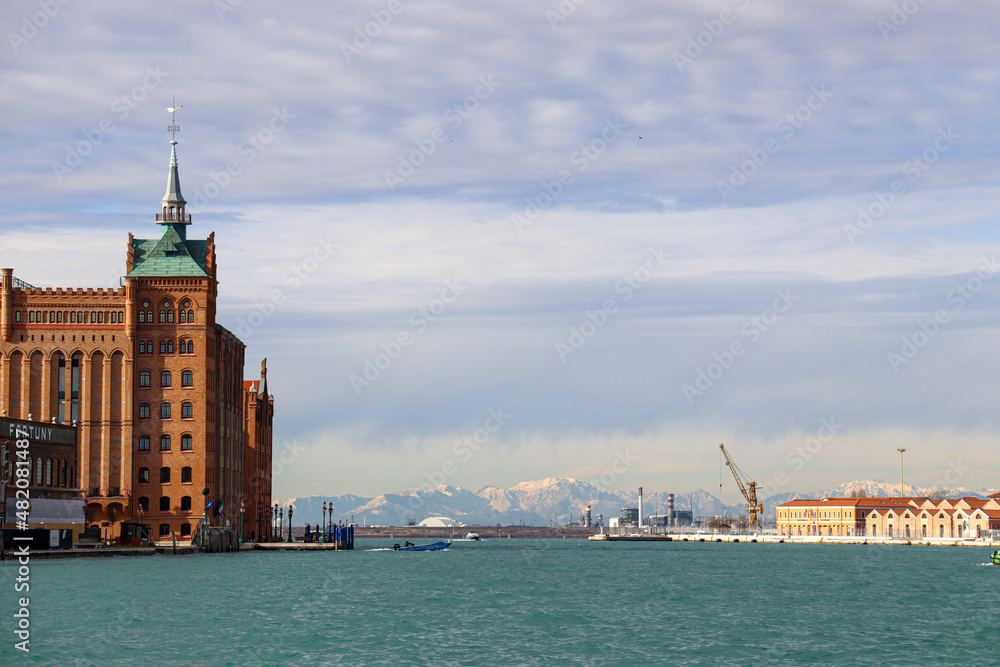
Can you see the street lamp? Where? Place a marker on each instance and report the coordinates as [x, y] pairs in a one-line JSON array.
[[281, 524], [274, 522], [900, 450], [290, 508], [243, 510], [322, 531], [204, 494], [140, 524], [260, 516]]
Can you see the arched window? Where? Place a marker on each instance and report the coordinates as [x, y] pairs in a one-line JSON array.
[[187, 411], [62, 473], [163, 347], [165, 378], [163, 316], [164, 503], [39, 471], [164, 530], [144, 504], [187, 444], [187, 379], [143, 443], [149, 316], [164, 475], [181, 317], [164, 411], [186, 504], [185, 530], [190, 317], [186, 475], [144, 411], [144, 379], [144, 475], [190, 347], [48, 472], [164, 443], [170, 316], [170, 347], [142, 347]]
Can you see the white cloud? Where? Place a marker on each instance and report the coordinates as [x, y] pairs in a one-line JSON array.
[[323, 176]]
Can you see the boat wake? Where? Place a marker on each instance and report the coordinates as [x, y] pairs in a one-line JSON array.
[[380, 549]]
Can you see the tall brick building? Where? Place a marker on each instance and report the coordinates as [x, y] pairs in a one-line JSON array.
[[153, 382]]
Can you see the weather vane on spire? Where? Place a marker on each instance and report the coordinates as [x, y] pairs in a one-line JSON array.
[[173, 128]]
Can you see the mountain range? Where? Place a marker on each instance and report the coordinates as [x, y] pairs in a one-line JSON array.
[[558, 500]]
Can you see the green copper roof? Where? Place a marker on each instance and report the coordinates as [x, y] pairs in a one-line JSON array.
[[172, 254], [169, 255]]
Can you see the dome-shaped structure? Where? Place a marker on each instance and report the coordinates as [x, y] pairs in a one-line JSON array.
[[438, 522]]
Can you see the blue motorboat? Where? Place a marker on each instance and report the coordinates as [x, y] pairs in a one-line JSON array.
[[410, 546]]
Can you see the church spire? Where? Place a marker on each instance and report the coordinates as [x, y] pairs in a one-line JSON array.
[[173, 216]]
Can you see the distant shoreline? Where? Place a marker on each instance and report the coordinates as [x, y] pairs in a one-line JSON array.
[[485, 532]]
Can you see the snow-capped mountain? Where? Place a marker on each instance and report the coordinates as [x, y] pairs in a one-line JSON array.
[[559, 499]]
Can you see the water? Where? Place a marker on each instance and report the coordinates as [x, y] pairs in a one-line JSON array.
[[518, 602]]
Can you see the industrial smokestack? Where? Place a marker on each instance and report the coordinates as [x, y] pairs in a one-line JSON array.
[[640, 507], [670, 509]]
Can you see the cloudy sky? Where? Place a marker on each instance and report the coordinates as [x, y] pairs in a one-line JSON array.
[[487, 243]]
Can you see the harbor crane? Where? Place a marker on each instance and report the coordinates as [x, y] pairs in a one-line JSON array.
[[754, 509]]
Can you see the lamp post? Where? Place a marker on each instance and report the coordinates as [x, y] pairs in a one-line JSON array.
[[281, 524], [274, 522], [204, 494], [322, 531], [900, 450], [140, 524], [290, 508], [260, 515], [243, 510]]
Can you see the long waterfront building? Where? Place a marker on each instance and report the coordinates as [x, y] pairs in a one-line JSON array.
[[915, 517]]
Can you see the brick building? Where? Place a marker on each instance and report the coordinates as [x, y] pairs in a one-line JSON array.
[[258, 415], [153, 382]]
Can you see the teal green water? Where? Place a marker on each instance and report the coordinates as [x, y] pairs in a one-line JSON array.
[[518, 602]]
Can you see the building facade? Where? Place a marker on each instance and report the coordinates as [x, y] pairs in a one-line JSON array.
[[258, 417], [892, 518], [153, 383]]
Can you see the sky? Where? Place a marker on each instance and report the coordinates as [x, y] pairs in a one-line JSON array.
[[481, 244]]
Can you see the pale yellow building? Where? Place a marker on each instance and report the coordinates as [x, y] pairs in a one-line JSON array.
[[895, 518]]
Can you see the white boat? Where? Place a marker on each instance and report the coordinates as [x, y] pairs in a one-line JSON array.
[[472, 536]]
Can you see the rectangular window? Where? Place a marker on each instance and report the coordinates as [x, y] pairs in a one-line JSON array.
[[31, 316], [17, 316], [93, 317], [100, 317], [72, 317], [59, 317], [165, 411], [143, 443], [144, 411], [187, 411]]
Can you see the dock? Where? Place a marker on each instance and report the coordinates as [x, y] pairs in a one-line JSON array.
[[785, 539]]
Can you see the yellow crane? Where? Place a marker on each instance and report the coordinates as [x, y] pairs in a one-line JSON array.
[[754, 509]]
